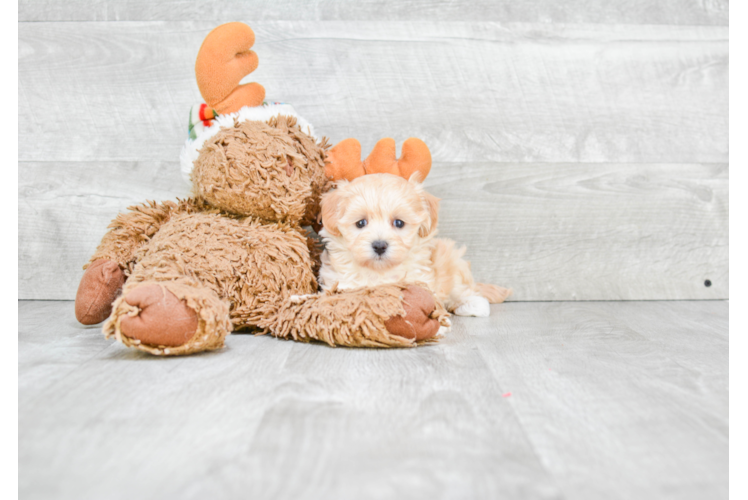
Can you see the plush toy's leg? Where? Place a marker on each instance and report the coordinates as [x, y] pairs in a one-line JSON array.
[[100, 285], [383, 316], [115, 257], [169, 317]]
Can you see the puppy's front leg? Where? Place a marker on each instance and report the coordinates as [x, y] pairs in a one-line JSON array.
[[445, 328], [298, 299]]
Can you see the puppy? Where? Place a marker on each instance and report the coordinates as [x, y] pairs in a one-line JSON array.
[[380, 228]]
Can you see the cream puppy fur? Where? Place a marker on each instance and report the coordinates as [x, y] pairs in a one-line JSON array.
[[380, 228]]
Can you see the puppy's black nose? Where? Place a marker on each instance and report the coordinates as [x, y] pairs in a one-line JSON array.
[[379, 247]]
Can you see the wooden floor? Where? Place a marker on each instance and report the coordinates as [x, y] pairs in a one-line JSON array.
[[575, 400]]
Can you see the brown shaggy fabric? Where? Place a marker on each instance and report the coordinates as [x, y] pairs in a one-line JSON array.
[[315, 154], [251, 265], [131, 230], [316, 247], [354, 318], [231, 271], [272, 170]]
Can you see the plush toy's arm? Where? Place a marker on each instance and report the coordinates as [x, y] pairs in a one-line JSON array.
[[383, 316], [108, 267]]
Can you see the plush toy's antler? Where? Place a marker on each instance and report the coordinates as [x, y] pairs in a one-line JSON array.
[[344, 160], [223, 60]]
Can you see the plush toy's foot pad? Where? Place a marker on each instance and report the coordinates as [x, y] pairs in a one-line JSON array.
[[100, 285], [417, 323], [162, 318]]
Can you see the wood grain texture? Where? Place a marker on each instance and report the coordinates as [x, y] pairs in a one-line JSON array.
[[668, 12], [737, 126], [541, 400], [737, 236], [549, 231], [590, 231], [64, 210], [736, 398], [576, 162], [474, 91], [618, 398]]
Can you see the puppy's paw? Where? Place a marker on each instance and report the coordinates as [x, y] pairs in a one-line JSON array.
[[298, 299], [443, 330], [474, 306]]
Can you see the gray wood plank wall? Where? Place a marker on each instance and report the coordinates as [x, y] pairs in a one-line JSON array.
[[671, 12], [580, 148], [736, 119]]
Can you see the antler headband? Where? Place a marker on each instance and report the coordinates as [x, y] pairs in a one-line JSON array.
[[344, 160]]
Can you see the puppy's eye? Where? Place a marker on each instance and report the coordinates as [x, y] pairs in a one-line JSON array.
[[398, 223], [362, 223]]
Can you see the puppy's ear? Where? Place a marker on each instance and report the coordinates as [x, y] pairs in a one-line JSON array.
[[331, 210], [416, 178], [431, 204]]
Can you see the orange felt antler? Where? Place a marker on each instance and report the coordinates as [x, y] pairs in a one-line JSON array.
[[223, 60], [344, 160]]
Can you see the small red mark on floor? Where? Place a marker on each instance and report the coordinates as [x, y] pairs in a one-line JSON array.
[[506, 394]]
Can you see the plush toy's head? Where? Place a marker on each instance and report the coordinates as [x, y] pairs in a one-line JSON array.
[[269, 170]]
